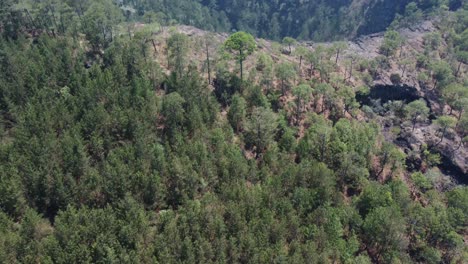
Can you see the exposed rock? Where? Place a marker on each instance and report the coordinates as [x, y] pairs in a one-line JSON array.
[[430, 135], [368, 46]]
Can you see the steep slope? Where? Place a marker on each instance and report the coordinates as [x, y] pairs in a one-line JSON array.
[[363, 48], [123, 142]]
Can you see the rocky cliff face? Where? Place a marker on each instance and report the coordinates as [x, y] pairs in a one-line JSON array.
[[368, 47], [428, 134], [449, 147]]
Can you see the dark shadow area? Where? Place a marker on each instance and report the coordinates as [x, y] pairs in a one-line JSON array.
[[447, 167], [388, 93]]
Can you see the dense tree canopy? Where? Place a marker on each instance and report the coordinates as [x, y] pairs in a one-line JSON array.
[[114, 147]]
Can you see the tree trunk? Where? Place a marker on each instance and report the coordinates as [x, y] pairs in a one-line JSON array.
[[351, 69], [460, 144], [323, 104], [143, 50], [103, 32], [242, 70], [258, 144], [282, 87], [442, 137], [323, 144], [154, 46], [81, 8], [129, 32], [111, 34], [298, 112], [315, 102], [458, 69], [241, 66], [384, 162], [30, 18], [53, 17], [208, 62], [62, 26]]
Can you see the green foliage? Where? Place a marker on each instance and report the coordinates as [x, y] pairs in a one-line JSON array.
[[288, 41], [461, 49], [303, 95], [177, 51], [237, 112], [339, 47], [412, 14], [9, 240], [384, 229], [430, 255], [275, 20], [441, 73], [392, 41], [444, 123], [285, 72], [421, 181], [431, 158], [260, 128], [264, 62], [457, 199], [243, 44], [455, 95], [107, 156], [99, 23], [349, 99], [374, 196], [173, 110], [395, 78], [390, 155], [255, 97], [417, 111], [432, 41]]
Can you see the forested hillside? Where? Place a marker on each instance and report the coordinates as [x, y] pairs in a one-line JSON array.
[[313, 19], [126, 137], [307, 20]]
